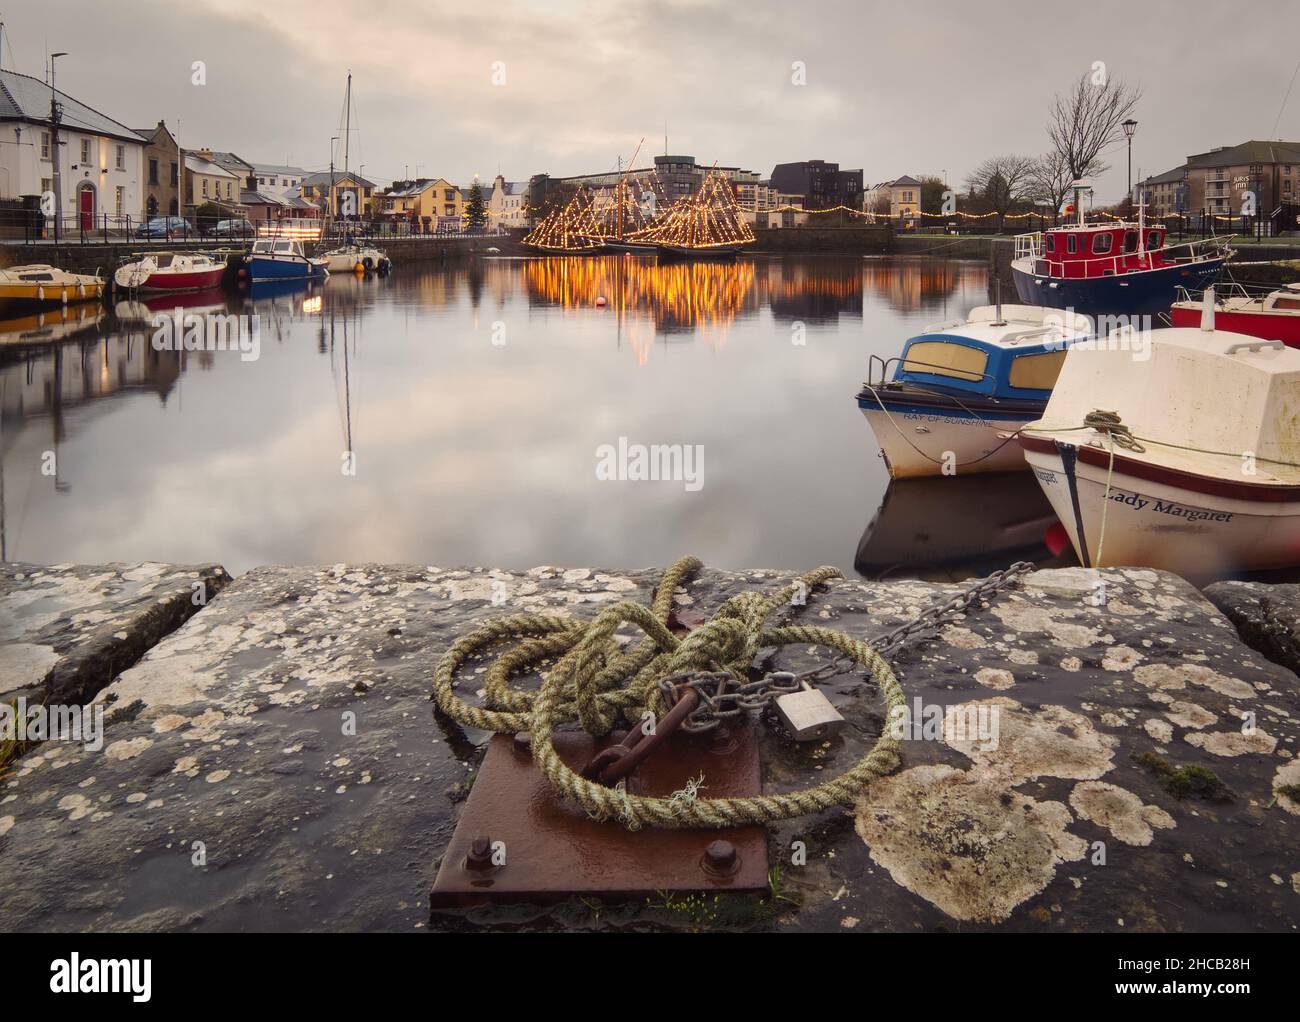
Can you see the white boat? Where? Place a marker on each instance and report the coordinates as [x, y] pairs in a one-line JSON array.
[[170, 272], [1187, 461], [357, 258], [960, 390]]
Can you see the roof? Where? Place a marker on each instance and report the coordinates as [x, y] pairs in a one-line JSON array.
[[323, 178], [230, 161], [277, 168], [409, 189], [24, 98], [198, 165], [904, 182], [1168, 177], [1248, 152]]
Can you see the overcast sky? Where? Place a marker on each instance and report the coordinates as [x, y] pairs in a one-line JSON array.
[[893, 88]]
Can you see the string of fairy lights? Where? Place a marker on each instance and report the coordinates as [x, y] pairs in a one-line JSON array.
[[709, 219], [712, 218]]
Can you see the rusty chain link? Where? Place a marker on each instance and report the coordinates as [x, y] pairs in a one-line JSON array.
[[723, 696]]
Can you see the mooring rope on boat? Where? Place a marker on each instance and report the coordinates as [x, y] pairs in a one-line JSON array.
[[599, 684]]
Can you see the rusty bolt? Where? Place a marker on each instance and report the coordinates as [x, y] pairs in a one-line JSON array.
[[479, 858], [721, 857]]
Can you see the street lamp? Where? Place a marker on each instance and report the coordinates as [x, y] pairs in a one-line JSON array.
[[1129, 127], [54, 146]]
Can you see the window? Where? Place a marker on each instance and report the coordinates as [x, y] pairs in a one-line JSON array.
[[1153, 241], [153, 172], [1071, 244], [943, 358], [85, 150], [121, 157], [1130, 241], [1051, 243], [1038, 371], [1101, 243], [205, 187], [174, 175], [47, 184], [45, 145], [121, 199]]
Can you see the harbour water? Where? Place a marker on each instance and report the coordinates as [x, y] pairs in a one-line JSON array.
[[481, 402]]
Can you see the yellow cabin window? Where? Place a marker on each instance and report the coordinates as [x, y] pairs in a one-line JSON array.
[[941, 358], [1037, 372]]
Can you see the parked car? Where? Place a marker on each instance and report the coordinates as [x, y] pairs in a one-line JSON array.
[[233, 229], [164, 227]]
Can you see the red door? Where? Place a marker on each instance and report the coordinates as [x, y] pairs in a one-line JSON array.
[[87, 197]]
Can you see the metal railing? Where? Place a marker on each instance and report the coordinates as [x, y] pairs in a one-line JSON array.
[[32, 227]]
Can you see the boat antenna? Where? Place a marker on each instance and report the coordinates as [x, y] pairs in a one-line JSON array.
[[997, 293], [1207, 309]]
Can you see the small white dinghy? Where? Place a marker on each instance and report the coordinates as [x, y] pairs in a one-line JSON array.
[[357, 258], [1187, 461]]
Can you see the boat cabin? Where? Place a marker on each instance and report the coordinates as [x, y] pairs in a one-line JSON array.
[[277, 247], [1007, 358], [1285, 300], [1081, 251]]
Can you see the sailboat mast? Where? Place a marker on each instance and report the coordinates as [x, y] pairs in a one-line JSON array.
[[347, 130]]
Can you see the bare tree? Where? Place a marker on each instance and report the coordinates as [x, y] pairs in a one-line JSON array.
[[1001, 181], [1086, 121], [1049, 181]]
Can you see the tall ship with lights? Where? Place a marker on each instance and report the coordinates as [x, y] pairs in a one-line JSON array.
[[1115, 268], [566, 230], [706, 225]]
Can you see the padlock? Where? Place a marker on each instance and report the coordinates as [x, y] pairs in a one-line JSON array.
[[808, 714]]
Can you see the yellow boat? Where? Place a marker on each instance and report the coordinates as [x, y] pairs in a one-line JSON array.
[[40, 282]]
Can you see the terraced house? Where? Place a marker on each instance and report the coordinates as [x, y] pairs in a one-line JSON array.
[[101, 160]]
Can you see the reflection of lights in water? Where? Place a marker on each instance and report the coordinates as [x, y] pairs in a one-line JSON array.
[[676, 296], [312, 304]]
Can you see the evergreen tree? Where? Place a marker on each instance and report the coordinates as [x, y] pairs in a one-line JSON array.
[[475, 210]]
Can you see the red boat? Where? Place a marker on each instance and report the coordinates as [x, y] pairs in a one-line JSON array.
[[170, 271], [1271, 317]]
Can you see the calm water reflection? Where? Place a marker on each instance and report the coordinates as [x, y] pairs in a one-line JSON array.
[[474, 398]]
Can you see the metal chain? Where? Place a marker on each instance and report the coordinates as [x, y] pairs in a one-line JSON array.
[[723, 696]]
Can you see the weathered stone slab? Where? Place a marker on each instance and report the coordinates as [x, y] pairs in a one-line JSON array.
[[67, 630], [1266, 616], [231, 793]]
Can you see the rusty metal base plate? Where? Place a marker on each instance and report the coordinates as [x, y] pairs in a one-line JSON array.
[[553, 850]]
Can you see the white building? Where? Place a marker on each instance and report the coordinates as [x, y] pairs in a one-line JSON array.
[[101, 162], [275, 179], [508, 203]]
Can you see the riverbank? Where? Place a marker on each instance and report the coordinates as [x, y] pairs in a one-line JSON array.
[[273, 762]]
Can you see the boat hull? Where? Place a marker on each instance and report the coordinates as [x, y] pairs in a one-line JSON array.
[[1267, 326], [262, 268], [1164, 519], [49, 294], [918, 440], [194, 280], [1146, 292], [679, 252]]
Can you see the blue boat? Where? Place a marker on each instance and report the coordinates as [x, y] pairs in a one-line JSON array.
[[283, 259], [1112, 269], [959, 391]]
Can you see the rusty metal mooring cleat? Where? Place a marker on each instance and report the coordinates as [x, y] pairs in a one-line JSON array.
[[548, 849]]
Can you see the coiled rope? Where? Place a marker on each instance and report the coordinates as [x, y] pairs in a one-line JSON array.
[[600, 685]]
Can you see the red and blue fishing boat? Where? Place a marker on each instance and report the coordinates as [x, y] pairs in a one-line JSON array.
[[1115, 268]]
